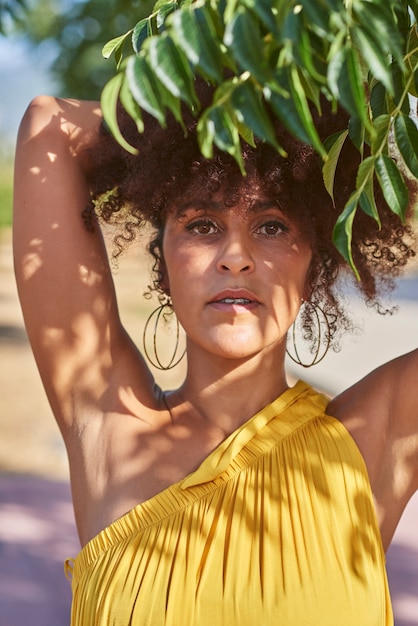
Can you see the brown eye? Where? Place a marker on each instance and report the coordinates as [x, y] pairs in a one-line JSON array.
[[272, 228], [202, 227]]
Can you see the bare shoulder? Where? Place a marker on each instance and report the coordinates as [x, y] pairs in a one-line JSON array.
[[386, 399], [46, 112], [381, 414]]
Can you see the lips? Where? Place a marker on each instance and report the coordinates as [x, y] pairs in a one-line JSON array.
[[241, 297]]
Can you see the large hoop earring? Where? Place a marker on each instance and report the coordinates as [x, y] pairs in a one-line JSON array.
[[323, 342], [165, 310]]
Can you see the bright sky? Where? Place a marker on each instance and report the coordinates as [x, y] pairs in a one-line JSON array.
[[23, 75]]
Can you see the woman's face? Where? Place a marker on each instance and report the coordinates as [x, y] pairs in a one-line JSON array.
[[236, 275]]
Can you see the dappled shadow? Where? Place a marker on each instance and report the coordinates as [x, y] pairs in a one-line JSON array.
[[37, 533]]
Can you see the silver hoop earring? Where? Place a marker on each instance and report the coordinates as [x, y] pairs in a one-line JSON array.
[[321, 345], [165, 310]]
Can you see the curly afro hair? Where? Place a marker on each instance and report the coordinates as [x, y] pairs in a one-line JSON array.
[[134, 191]]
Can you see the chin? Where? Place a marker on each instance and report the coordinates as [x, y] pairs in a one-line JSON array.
[[240, 344], [236, 355], [238, 349]]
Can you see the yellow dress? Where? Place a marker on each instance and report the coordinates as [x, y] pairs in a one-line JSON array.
[[276, 527]]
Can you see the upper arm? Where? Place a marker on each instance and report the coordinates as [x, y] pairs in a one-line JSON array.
[[381, 412], [402, 376], [63, 276]]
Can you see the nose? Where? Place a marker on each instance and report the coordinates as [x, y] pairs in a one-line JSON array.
[[235, 255]]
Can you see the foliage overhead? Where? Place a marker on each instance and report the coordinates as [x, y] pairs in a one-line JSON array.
[[359, 54]]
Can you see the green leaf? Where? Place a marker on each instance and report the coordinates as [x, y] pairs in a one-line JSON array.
[[246, 133], [381, 130], [393, 185], [401, 94], [300, 100], [365, 171], [335, 63], [161, 4], [230, 9], [368, 203], [374, 58], [334, 146], [140, 33], [164, 10], [293, 110], [264, 11], [296, 33], [108, 102], [346, 82], [356, 132], [194, 32], [115, 45], [250, 111], [206, 135], [130, 105], [378, 101], [343, 231], [243, 38], [412, 58], [173, 104], [311, 89], [318, 14], [365, 185], [172, 68], [413, 7], [406, 137], [153, 24], [216, 125], [144, 87], [377, 21]]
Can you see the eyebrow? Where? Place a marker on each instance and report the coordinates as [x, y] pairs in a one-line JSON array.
[[202, 204], [198, 206], [255, 206], [261, 205]]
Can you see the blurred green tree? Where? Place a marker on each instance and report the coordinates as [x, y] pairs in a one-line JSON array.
[[10, 10], [75, 32]]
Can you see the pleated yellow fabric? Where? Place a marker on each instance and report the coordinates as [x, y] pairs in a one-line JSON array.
[[276, 527]]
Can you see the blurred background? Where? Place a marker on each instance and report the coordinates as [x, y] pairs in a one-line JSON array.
[[54, 47]]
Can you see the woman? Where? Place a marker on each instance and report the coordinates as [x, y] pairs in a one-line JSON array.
[[234, 499]]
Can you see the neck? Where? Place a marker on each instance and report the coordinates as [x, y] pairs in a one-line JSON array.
[[227, 392]]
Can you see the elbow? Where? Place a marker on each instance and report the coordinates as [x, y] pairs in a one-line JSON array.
[[39, 116]]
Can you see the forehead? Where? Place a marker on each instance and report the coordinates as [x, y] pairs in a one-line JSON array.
[[220, 184], [243, 195], [241, 207]]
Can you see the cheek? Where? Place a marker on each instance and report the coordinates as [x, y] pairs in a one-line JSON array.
[[187, 263], [303, 271], [290, 269], [180, 278], [164, 282]]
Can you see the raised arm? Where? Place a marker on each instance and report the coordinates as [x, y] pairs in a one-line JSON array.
[[381, 412], [64, 282]]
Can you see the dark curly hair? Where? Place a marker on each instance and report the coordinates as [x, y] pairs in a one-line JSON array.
[[137, 190]]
